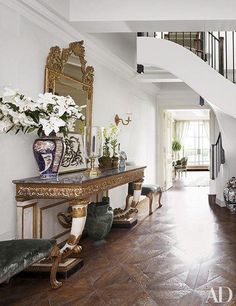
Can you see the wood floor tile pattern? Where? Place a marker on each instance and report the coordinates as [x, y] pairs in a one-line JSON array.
[[173, 257]]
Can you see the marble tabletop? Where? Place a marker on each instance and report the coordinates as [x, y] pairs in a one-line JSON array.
[[76, 177]]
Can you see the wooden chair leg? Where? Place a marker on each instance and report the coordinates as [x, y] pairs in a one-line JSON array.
[[159, 201], [150, 197], [56, 258]]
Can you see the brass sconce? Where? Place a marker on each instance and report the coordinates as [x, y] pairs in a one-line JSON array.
[[124, 122]]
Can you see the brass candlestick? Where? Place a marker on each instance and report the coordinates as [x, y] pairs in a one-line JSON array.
[[93, 171], [93, 145]]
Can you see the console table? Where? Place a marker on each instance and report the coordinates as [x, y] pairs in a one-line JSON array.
[[77, 188]]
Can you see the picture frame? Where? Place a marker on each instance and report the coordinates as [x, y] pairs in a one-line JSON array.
[[73, 158]]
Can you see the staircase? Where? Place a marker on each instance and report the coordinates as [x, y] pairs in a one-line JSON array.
[[194, 41], [215, 48], [217, 157], [211, 74]]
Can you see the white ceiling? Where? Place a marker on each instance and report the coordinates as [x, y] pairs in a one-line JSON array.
[[112, 16], [152, 15], [113, 24], [190, 114]]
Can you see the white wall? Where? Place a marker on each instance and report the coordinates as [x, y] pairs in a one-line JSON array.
[[227, 126], [114, 95], [121, 44], [178, 94], [23, 48]]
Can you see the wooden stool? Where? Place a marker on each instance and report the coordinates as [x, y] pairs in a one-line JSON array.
[[148, 190]]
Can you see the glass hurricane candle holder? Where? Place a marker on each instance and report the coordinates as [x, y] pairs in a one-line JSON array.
[[93, 148]]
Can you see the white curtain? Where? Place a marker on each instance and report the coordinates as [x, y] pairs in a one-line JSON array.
[[182, 128], [206, 125], [181, 131]]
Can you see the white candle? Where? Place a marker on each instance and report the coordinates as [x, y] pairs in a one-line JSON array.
[[93, 144]]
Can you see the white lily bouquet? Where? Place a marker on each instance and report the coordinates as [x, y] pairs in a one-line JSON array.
[[49, 114]]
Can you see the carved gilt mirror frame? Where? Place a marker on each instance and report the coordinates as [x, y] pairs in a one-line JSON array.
[[60, 80]]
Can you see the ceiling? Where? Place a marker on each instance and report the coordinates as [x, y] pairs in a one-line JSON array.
[[114, 24], [190, 114]]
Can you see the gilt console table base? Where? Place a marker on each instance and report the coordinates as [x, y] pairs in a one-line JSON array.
[[125, 223], [78, 188], [65, 269]]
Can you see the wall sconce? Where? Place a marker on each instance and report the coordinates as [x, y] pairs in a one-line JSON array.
[[124, 122]]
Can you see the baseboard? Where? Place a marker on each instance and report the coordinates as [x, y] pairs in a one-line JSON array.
[[212, 199], [220, 203]]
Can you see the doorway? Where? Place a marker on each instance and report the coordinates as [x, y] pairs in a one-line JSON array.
[[186, 147]]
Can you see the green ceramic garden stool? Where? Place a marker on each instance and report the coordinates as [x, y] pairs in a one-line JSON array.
[[99, 220], [17, 255], [148, 190]]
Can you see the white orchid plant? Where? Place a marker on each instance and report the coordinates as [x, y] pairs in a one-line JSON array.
[[49, 114], [110, 135]]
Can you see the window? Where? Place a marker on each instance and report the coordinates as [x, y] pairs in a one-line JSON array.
[[196, 143]]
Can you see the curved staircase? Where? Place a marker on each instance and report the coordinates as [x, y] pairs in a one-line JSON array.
[[198, 72]]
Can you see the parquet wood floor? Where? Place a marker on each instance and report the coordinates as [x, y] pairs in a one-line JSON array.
[[173, 257]]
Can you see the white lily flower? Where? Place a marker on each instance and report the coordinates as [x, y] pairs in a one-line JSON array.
[[53, 124], [5, 124], [8, 92], [70, 101], [17, 101], [71, 124], [22, 119], [4, 109], [49, 108], [45, 99], [27, 104], [62, 108]]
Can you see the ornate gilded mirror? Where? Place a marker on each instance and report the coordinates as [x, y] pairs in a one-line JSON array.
[[66, 73]]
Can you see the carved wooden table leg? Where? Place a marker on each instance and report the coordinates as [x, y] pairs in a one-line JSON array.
[[160, 195], [79, 213], [150, 196], [137, 193], [122, 217], [56, 258]]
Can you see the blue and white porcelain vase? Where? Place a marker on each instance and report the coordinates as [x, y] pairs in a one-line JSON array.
[[48, 152], [230, 195]]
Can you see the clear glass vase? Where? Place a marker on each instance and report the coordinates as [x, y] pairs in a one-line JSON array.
[[93, 147]]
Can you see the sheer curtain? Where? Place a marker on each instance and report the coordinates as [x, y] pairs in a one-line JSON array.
[[181, 131], [182, 128], [206, 125]]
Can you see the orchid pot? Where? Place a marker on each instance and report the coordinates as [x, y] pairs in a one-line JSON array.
[[110, 135], [105, 162]]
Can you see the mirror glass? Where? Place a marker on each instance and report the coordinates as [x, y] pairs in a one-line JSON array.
[[68, 74], [65, 86]]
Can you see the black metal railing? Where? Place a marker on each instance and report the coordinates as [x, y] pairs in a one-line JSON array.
[[215, 48], [217, 157]]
